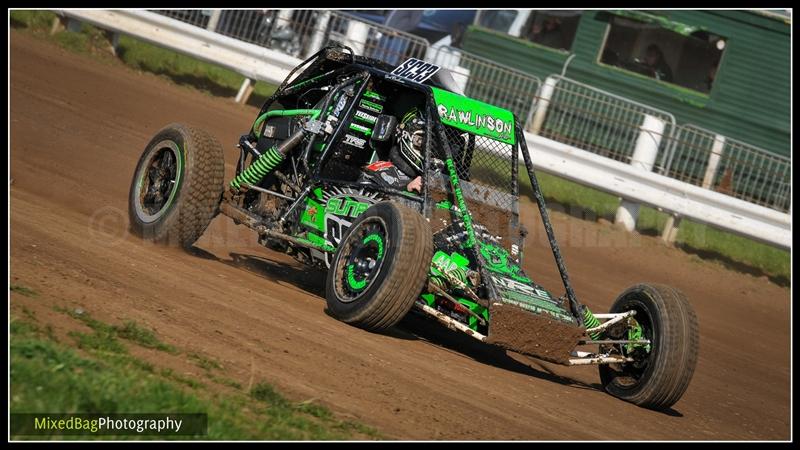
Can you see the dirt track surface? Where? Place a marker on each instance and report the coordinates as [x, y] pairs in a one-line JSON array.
[[77, 130]]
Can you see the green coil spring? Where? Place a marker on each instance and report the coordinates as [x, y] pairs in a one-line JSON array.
[[258, 169], [590, 321], [459, 274], [440, 283], [456, 276]]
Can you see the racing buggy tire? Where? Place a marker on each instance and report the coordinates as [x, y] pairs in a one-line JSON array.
[[659, 377], [177, 186], [380, 267]]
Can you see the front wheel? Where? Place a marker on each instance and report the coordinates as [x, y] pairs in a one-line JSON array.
[[661, 371], [380, 267], [177, 186]]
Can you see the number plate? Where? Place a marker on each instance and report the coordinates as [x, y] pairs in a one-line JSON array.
[[415, 70]]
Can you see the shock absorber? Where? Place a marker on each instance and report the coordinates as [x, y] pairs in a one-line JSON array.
[[267, 162], [438, 282], [590, 321]]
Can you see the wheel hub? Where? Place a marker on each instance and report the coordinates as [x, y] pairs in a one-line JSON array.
[[158, 180], [362, 259]]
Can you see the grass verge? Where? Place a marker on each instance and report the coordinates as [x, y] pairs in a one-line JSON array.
[[102, 377]]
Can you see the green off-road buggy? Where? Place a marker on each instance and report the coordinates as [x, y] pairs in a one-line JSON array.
[[408, 194]]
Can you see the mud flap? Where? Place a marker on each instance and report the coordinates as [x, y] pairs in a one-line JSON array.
[[529, 333]]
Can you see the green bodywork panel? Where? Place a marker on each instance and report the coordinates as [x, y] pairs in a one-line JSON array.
[[499, 260], [315, 211], [474, 116], [316, 239], [453, 265], [312, 216]]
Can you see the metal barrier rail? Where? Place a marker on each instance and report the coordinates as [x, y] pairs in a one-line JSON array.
[[668, 194], [300, 33], [592, 119], [487, 80], [713, 161], [609, 125], [196, 17]]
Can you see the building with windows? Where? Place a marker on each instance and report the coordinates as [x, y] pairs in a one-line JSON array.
[[726, 71]]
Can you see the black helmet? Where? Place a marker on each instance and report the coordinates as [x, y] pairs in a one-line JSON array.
[[411, 138]]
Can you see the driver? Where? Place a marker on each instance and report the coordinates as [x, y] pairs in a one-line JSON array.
[[403, 169]]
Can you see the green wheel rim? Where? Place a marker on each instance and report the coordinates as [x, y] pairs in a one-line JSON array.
[[362, 259], [158, 180]]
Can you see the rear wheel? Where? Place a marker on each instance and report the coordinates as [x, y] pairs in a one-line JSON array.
[[177, 186], [380, 267], [662, 370]]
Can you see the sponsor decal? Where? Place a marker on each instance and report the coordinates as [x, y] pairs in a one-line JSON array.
[[339, 214], [396, 79], [339, 105], [474, 116], [380, 165], [349, 139], [473, 119], [374, 95], [344, 206], [522, 288], [360, 128], [311, 217], [369, 118], [370, 106], [341, 206], [530, 298], [415, 70]]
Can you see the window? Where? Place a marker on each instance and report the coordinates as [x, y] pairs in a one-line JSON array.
[[554, 29], [498, 20], [664, 50]]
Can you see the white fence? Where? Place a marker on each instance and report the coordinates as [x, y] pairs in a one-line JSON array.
[[708, 159], [673, 196], [585, 167]]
